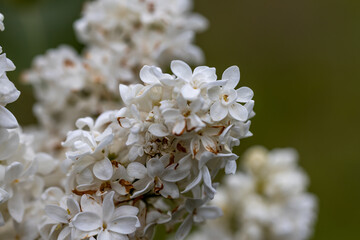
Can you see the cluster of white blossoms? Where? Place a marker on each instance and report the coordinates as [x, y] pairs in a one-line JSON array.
[[9, 137], [21, 169], [153, 161], [268, 200], [141, 32], [8, 92], [120, 37]]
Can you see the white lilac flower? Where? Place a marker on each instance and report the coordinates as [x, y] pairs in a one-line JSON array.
[[193, 82], [267, 200], [159, 146], [60, 218], [106, 221], [226, 98]]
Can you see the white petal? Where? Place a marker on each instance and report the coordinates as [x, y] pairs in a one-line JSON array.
[[135, 151], [123, 225], [232, 74], [244, 94], [179, 127], [238, 112], [214, 93], [85, 177], [208, 183], [195, 146], [56, 213], [218, 112], [7, 119], [171, 115], [190, 93], [204, 158], [209, 144], [155, 167], [170, 190], [125, 210], [147, 75], [121, 173], [16, 206], [184, 228], [87, 221], [8, 91], [181, 70], [125, 93], [194, 183], [174, 175], [83, 122], [103, 169], [196, 105], [136, 170], [103, 119], [64, 233], [73, 206], [145, 185], [177, 171], [2, 27], [158, 130], [90, 205], [108, 206], [132, 138], [4, 196], [209, 212], [46, 163], [193, 203], [230, 167], [104, 142], [104, 235], [250, 106], [9, 142], [13, 171], [6, 64]]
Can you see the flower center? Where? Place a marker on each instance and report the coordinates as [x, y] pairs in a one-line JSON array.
[[187, 114], [226, 97]]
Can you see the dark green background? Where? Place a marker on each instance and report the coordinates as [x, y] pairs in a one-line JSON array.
[[301, 58]]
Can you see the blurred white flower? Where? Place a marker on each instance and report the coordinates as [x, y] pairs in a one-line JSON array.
[[2, 27], [266, 201], [197, 213], [121, 37]]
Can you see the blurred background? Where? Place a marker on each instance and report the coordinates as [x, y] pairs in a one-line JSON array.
[[301, 58]]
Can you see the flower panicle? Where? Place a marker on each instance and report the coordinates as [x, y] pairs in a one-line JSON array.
[[159, 153]]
